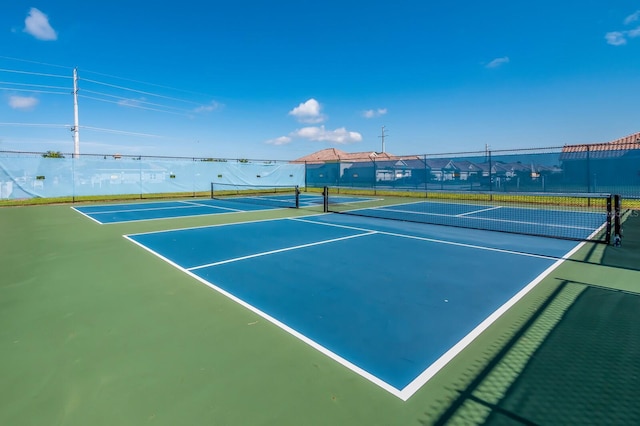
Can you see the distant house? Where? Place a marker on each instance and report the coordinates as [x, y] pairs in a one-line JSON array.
[[332, 166], [467, 170], [442, 169], [577, 166]]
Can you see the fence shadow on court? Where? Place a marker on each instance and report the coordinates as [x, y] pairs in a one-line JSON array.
[[574, 361], [626, 256]]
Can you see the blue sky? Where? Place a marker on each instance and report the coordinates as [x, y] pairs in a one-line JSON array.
[[281, 79]]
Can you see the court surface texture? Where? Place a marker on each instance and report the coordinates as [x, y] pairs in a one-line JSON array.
[[392, 301]]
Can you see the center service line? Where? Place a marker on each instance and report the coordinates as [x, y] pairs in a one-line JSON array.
[[222, 262]]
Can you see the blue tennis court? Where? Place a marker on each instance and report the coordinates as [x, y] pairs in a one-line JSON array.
[[130, 212], [386, 299]]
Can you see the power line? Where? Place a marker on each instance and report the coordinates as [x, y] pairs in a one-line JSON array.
[[35, 85], [89, 128], [36, 62], [129, 99], [146, 83], [130, 105], [164, 102], [121, 132], [34, 125], [129, 89], [104, 75], [32, 91], [34, 73], [140, 91]]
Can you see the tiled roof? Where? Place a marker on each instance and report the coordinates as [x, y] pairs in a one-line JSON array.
[[616, 148], [329, 154], [333, 154], [623, 144]]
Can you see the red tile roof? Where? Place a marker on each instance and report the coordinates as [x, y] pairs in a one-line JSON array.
[[625, 143], [618, 146], [334, 155]]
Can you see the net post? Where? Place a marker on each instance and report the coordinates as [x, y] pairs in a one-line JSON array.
[[617, 227], [212, 197], [325, 199], [609, 220], [297, 191]]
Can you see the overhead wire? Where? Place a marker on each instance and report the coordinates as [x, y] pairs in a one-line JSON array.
[[41, 74], [15, 89], [35, 85], [132, 100], [131, 104], [140, 91], [146, 83], [122, 101]]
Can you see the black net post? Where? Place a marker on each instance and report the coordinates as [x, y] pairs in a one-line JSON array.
[[609, 220], [212, 197], [617, 226], [325, 199], [297, 197]]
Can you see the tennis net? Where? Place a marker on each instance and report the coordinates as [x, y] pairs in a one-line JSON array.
[[273, 196], [580, 217]]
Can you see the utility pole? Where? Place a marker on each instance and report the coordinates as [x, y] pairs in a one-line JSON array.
[[76, 126], [382, 137]]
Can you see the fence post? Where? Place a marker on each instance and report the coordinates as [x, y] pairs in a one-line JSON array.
[[490, 178], [375, 176], [588, 170], [427, 176], [305, 176], [73, 179]]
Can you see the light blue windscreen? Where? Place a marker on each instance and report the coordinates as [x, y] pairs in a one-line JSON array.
[[31, 176]]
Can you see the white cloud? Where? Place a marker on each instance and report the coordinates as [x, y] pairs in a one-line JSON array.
[[282, 140], [23, 102], [498, 62], [371, 113], [134, 103], [320, 134], [37, 24], [615, 38], [634, 33], [632, 18], [619, 38], [308, 112], [207, 108]]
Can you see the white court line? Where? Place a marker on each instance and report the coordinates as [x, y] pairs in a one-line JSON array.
[[340, 360], [142, 210], [170, 217], [163, 208], [431, 240], [479, 211], [405, 393], [86, 215], [266, 253], [207, 226], [436, 366], [212, 207], [518, 222]]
